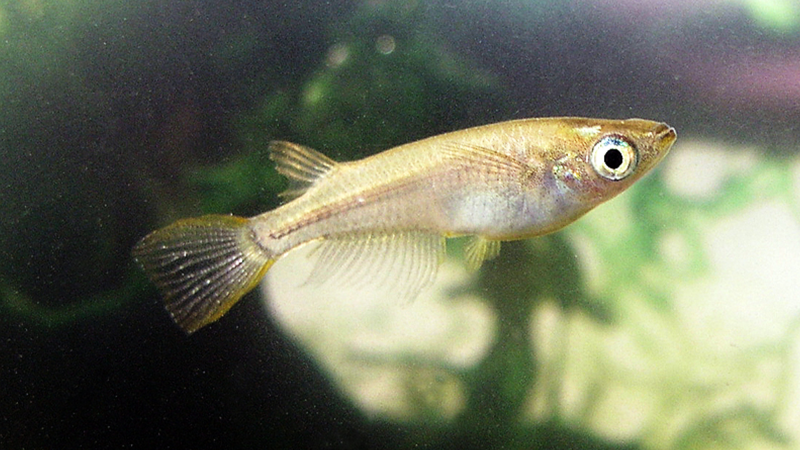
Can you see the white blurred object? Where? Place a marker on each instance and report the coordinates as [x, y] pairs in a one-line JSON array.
[[393, 358]]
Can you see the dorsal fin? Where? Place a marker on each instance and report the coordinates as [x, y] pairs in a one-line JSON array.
[[303, 166]]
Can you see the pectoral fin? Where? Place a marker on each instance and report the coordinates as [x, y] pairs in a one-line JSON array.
[[477, 156]]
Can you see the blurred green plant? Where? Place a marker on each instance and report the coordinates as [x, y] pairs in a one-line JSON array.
[[384, 81], [778, 15]]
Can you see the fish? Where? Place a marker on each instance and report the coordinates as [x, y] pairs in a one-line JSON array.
[[386, 218]]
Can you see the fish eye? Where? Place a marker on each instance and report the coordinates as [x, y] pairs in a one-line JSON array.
[[613, 157]]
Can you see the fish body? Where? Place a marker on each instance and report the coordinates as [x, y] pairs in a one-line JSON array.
[[389, 214]]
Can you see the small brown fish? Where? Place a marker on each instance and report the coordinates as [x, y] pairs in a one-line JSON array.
[[386, 217]]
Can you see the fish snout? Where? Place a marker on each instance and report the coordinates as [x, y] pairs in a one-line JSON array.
[[664, 134]]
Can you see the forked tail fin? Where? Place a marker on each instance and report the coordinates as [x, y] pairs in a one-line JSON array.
[[202, 266]]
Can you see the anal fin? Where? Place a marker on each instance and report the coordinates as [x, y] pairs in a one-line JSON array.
[[399, 263]]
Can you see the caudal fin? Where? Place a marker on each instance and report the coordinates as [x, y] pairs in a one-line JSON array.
[[202, 266]]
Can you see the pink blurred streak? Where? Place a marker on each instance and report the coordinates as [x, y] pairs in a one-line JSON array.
[[762, 80]]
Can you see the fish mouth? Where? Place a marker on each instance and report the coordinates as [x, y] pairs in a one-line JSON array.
[[664, 134]]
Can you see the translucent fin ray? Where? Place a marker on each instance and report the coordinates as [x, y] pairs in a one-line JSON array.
[[403, 263], [477, 156], [478, 250], [303, 166], [202, 266]]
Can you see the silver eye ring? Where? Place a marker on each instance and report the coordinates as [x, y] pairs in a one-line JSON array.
[[613, 157]]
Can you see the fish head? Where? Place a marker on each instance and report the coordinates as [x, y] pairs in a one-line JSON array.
[[598, 159]]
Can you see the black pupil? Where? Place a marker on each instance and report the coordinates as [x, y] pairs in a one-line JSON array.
[[613, 158]]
